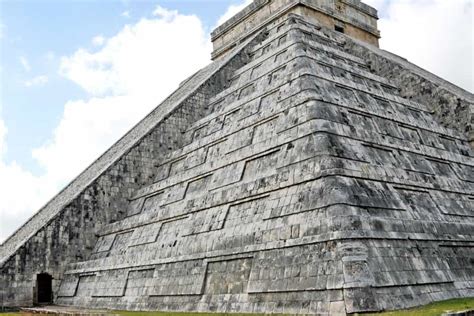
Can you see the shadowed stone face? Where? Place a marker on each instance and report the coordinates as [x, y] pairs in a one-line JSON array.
[[288, 176], [351, 17]]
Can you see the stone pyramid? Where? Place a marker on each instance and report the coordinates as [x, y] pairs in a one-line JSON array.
[[303, 171]]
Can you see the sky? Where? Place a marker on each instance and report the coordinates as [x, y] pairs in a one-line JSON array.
[[76, 75]]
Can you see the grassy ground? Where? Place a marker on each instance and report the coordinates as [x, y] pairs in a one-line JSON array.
[[122, 313], [434, 309], [126, 313]]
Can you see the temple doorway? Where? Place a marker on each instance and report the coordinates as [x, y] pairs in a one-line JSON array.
[[45, 288]]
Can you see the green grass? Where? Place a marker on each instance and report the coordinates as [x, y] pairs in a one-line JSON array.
[[123, 313], [433, 309], [127, 313]]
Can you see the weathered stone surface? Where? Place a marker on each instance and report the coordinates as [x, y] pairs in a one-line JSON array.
[[450, 105], [65, 229], [302, 181], [352, 17]]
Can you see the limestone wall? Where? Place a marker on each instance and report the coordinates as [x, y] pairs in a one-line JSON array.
[[452, 106], [313, 187], [66, 229]]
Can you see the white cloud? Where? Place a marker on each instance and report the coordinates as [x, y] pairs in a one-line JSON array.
[[125, 14], [36, 81], [148, 57], [164, 14], [3, 134], [377, 4], [98, 40], [231, 11], [433, 34], [22, 192], [25, 63], [87, 128], [126, 78]]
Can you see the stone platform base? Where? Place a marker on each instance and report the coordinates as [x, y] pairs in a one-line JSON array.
[[64, 310]]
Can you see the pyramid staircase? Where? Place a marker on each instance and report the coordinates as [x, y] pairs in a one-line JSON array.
[[312, 187]]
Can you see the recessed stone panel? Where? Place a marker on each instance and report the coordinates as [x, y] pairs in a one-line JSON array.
[[231, 117], [227, 175], [246, 91], [227, 277], [240, 139], [206, 220], [269, 100], [281, 56], [307, 268], [418, 202], [197, 157], [359, 119], [344, 94], [264, 130], [198, 186], [216, 150], [410, 134], [457, 205], [110, 283], [145, 234], [181, 278], [138, 282], [162, 171], [379, 155], [104, 243], [86, 285], [174, 193], [68, 285], [464, 172], [121, 242], [261, 165], [152, 203], [441, 168], [169, 235], [246, 212], [135, 206], [177, 166], [200, 132]]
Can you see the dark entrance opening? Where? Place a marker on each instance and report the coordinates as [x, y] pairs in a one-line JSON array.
[[45, 288], [339, 29]]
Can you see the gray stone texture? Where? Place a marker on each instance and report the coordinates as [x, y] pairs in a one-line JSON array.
[[294, 175], [451, 106], [64, 230]]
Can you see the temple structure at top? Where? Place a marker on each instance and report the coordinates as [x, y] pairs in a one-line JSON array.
[[352, 17]]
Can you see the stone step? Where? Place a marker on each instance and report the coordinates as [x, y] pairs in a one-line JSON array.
[[65, 310]]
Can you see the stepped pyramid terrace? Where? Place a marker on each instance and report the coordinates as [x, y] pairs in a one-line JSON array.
[[304, 170]]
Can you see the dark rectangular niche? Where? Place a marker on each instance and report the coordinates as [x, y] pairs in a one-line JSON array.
[[338, 29]]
